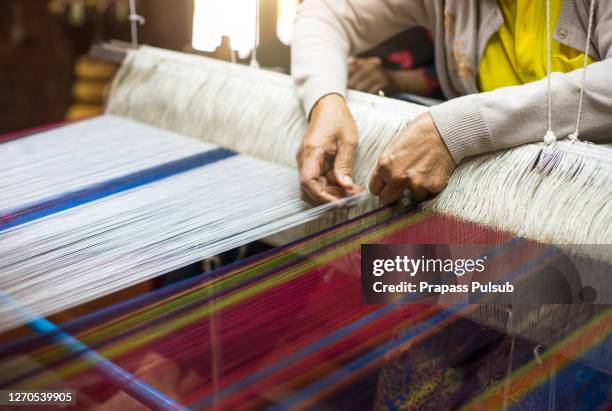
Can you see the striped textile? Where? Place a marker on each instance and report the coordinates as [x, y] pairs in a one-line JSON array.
[[105, 203], [287, 329], [55, 160]]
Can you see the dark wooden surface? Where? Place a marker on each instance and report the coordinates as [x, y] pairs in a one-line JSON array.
[[35, 65]]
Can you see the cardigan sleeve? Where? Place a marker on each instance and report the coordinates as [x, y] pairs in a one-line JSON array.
[[327, 31]]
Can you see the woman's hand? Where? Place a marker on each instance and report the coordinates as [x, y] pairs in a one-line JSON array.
[[325, 157], [417, 159], [368, 74]]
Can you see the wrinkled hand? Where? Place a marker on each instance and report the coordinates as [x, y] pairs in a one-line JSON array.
[[368, 74], [325, 157], [417, 159]]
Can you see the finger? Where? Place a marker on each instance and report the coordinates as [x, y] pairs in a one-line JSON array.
[[337, 189], [328, 164], [331, 177], [372, 84], [355, 61], [358, 75], [374, 60], [392, 192], [305, 197], [343, 164], [365, 83], [357, 80], [376, 183], [317, 193], [310, 173], [331, 189], [298, 156], [418, 184], [312, 164], [353, 64], [332, 182], [419, 194], [325, 197]]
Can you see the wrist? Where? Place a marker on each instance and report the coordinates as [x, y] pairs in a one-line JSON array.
[[329, 103]]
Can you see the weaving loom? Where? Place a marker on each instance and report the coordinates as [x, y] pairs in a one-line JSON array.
[[174, 174]]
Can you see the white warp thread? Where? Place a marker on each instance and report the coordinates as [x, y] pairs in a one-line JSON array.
[[82, 253], [565, 200], [554, 194], [81, 154], [250, 111]]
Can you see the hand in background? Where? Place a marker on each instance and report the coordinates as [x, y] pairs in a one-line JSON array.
[[325, 157], [417, 159], [368, 75]]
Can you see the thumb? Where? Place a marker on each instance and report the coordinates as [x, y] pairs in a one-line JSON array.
[[343, 164]]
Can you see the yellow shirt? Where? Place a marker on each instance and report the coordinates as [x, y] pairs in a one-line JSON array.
[[516, 54]]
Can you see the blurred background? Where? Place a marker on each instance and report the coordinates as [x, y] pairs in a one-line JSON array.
[[51, 69], [47, 75]]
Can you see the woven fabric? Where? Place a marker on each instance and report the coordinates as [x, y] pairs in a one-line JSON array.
[[288, 329]]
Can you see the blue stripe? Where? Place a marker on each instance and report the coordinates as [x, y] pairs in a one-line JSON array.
[[136, 388], [108, 188]]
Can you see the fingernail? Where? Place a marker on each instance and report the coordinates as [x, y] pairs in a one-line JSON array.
[[347, 180]]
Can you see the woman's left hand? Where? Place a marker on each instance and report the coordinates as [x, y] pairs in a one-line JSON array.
[[417, 159]]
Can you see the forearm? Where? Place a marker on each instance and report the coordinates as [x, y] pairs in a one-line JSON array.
[[318, 55], [327, 31], [512, 116]]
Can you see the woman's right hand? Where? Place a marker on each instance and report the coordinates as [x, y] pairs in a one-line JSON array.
[[325, 157]]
